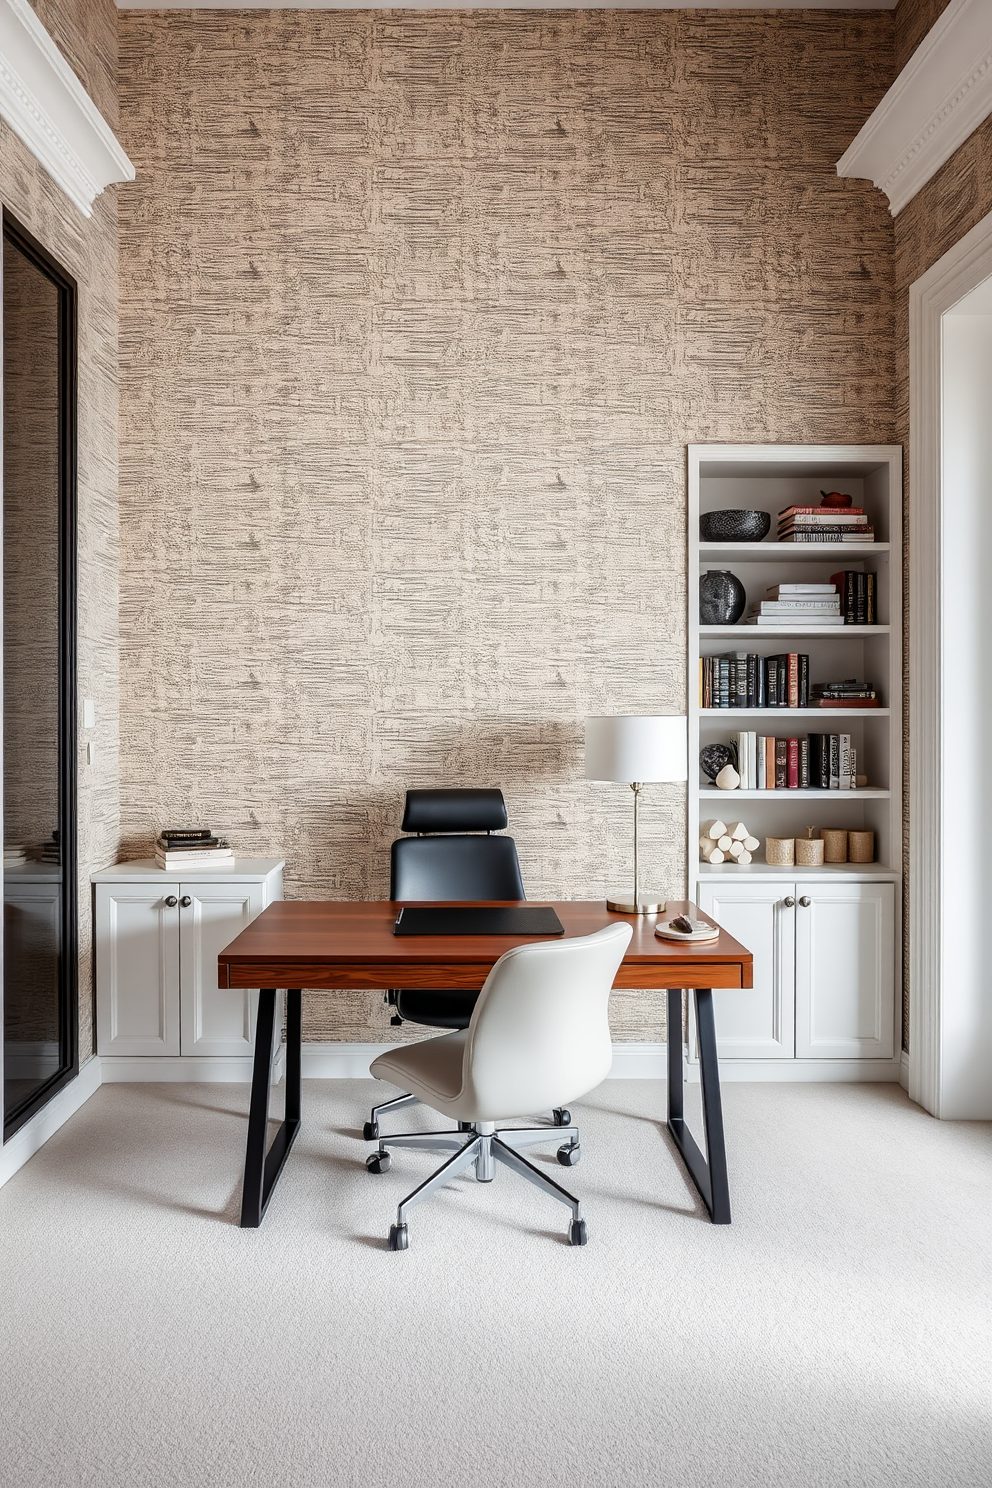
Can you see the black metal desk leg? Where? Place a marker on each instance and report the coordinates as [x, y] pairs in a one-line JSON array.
[[262, 1170], [710, 1178]]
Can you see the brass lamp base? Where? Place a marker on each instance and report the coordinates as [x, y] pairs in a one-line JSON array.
[[644, 905]]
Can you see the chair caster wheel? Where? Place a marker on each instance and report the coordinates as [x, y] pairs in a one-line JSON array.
[[378, 1162], [568, 1155], [576, 1232], [562, 1115], [400, 1240], [370, 1131]]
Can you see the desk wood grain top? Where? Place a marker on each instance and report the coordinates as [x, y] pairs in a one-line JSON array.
[[350, 944]]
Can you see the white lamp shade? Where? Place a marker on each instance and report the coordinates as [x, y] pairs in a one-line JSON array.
[[636, 748]]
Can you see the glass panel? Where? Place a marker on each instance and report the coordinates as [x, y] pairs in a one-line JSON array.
[[34, 1041]]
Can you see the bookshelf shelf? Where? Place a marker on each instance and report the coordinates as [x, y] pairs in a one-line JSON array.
[[825, 797], [750, 633], [785, 715], [765, 552], [825, 939]]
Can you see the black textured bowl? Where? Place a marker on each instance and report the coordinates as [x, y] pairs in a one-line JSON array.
[[734, 525]]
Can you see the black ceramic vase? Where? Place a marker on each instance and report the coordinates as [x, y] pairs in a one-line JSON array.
[[722, 598]]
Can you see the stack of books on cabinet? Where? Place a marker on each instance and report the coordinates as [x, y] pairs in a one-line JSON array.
[[188, 848]]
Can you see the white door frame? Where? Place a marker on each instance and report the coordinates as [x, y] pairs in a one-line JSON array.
[[962, 269]]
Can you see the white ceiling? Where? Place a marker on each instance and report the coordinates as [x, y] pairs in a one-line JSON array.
[[507, 5]]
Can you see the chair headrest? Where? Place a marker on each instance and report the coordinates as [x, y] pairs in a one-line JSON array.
[[454, 811]]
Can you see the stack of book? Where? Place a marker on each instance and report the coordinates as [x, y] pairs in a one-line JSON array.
[[812, 524], [50, 851], [816, 762], [847, 694], [740, 679], [798, 604], [14, 854], [191, 848], [856, 592]]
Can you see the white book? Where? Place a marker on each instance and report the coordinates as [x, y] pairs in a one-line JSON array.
[[781, 590], [844, 762], [794, 620], [185, 866], [760, 745]]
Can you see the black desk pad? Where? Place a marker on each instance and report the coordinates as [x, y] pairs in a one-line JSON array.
[[484, 919]]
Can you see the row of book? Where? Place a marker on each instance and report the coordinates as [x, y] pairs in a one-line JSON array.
[[803, 524], [741, 679], [191, 848], [813, 762]]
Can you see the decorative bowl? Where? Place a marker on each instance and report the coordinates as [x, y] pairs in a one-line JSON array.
[[734, 525]]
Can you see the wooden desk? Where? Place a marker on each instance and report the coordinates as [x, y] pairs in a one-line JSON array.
[[343, 945]]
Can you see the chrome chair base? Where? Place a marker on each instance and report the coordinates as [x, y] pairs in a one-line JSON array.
[[482, 1145]]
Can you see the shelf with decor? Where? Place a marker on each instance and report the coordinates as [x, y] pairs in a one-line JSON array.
[[842, 917]]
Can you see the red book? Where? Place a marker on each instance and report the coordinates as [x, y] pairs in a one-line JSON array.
[[834, 511], [792, 765]]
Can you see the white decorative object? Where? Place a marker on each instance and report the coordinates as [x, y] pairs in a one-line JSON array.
[[44, 102], [941, 96], [734, 845], [157, 941], [728, 778]]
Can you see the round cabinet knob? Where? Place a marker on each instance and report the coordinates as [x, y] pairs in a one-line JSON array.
[[788, 901], [805, 901], [172, 901], [186, 901]]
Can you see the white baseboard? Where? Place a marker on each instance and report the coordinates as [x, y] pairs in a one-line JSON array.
[[35, 1133], [194, 1069], [634, 1061]]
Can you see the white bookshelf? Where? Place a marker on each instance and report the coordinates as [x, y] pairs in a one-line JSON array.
[[819, 935]]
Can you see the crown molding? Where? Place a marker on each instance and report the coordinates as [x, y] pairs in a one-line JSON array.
[[941, 96], [44, 102]]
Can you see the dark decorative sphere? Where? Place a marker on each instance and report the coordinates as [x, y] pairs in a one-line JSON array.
[[713, 757], [734, 525], [722, 598]]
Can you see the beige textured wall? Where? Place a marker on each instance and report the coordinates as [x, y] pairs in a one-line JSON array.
[[418, 314], [87, 32]]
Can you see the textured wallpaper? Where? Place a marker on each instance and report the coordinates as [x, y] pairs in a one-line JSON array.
[[87, 32], [418, 313]]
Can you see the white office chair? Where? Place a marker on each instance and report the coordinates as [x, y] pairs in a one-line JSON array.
[[539, 1037]]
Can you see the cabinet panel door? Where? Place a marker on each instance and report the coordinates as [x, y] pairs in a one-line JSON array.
[[845, 975], [757, 1023], [215, 1020], [137, 970]]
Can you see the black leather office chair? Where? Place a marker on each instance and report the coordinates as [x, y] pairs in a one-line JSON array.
[[453, 856]]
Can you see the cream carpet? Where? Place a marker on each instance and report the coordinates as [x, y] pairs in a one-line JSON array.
[[838, 1333]]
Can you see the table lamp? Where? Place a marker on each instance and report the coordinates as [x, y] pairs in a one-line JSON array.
[[636, 750]]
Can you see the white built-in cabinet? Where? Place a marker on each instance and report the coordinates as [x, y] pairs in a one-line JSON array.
[[825, 940], [158, 935], [824, 978]]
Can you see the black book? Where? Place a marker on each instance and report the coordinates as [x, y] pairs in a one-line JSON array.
[[761, 666], [860, 599], [193, 835], [871, 617], [752, 681], [803, 680]]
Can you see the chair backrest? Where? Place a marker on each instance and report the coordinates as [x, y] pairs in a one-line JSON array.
[[450, 863], [540, 1035]]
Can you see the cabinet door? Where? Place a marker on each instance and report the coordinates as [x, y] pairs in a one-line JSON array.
[[137, 970], [845, 975], [757, 1023], [215, 1020]]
